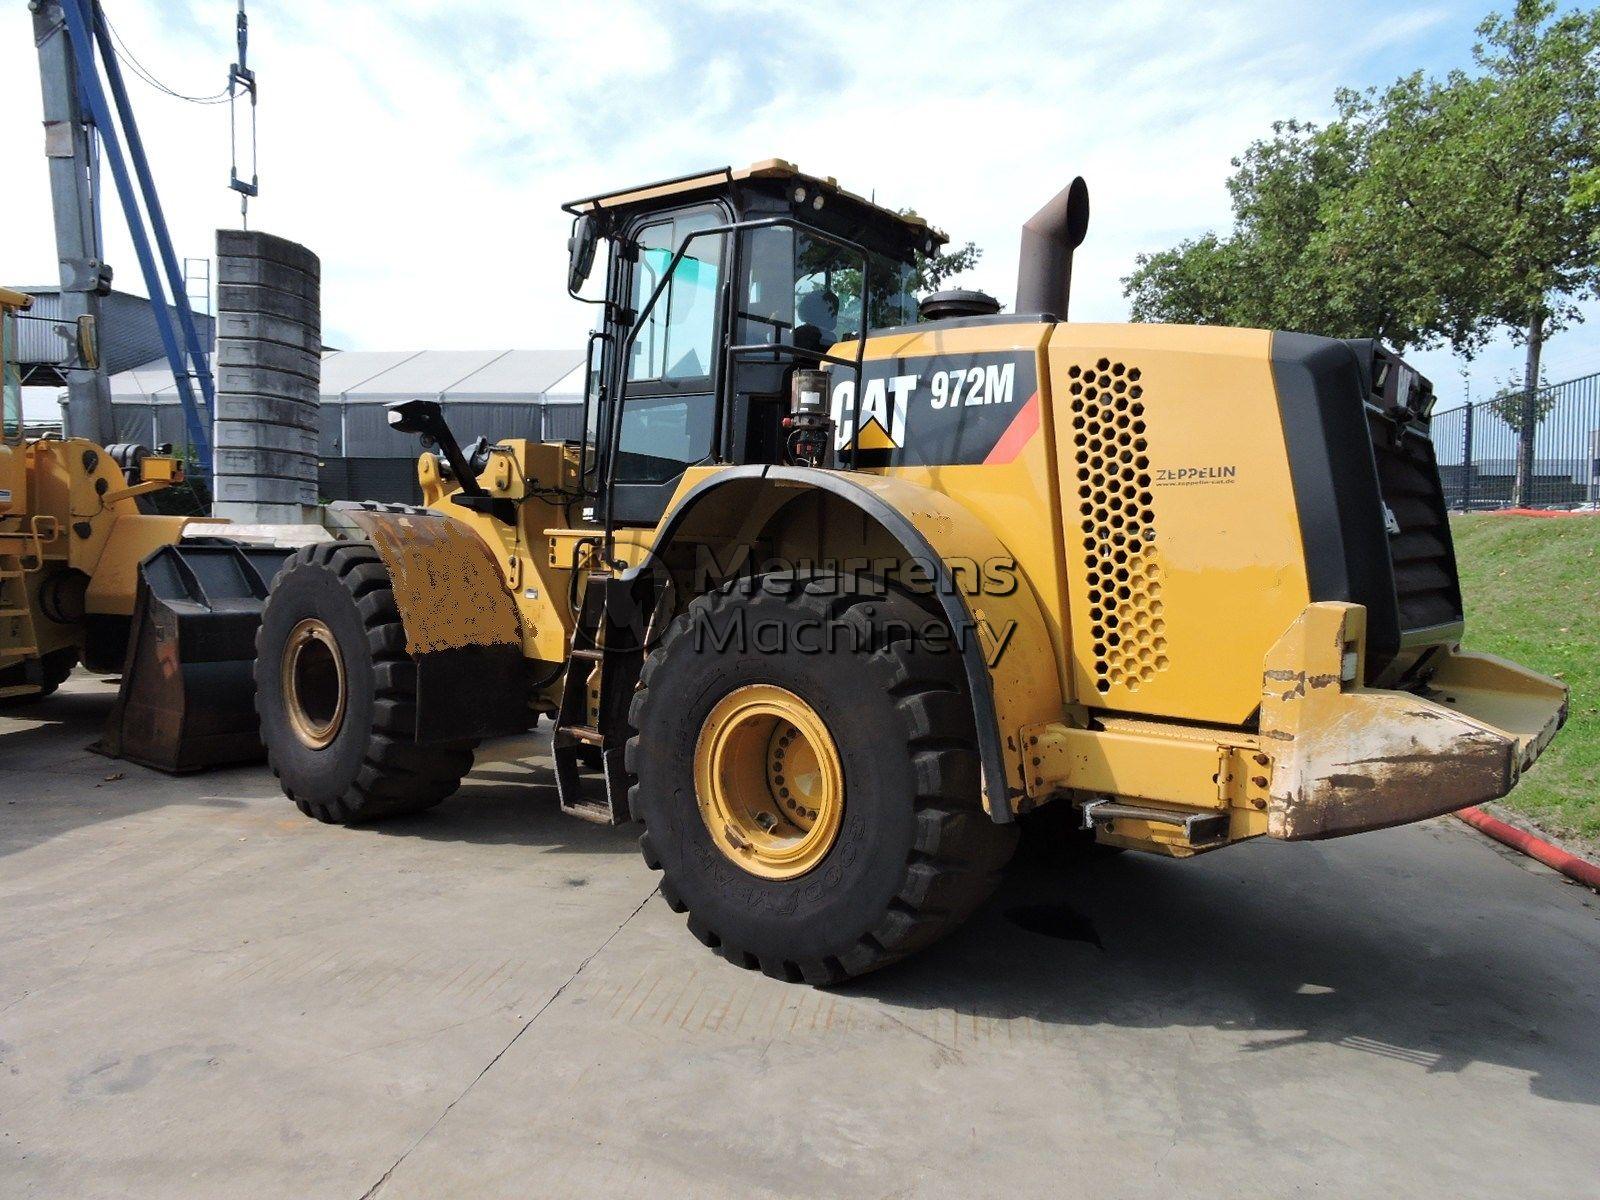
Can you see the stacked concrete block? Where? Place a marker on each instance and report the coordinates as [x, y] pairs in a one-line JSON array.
[[268, 370]]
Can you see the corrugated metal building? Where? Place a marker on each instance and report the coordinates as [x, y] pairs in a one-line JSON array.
[[128, 335], [535, 394]]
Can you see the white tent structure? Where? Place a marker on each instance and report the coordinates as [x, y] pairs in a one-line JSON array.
[[536, 394]]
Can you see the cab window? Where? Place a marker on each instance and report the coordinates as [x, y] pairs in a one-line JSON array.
[[803, 291], [677, 340]]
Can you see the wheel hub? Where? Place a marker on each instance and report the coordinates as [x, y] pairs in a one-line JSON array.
[[768, 781], [313, 683]]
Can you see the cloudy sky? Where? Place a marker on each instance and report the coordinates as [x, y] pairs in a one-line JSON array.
[[423, 149]]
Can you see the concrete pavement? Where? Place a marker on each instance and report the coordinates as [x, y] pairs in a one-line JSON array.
[[204, 994]]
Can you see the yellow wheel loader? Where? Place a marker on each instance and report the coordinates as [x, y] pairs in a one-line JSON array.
[[71, 537], [88, 576], [840, 586]]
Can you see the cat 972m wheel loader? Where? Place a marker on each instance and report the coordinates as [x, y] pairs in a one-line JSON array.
[[831, 596]]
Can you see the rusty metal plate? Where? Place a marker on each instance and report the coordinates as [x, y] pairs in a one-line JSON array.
[[449, 591]]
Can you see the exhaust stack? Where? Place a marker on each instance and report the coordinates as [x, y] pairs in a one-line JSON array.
[[1044, 271]]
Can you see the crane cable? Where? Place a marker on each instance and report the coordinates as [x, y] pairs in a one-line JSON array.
[[144, 73]]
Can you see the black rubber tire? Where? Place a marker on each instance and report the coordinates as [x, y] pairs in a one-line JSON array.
[[372, 769], [915, 854], [49, 672]]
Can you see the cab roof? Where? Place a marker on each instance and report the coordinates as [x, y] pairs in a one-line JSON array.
[[776, 170]]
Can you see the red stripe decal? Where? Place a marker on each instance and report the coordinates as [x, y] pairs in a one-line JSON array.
[[1017, 434]]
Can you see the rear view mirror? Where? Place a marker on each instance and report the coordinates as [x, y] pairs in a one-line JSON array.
[[88, 342], [580, 251], [415, 416]]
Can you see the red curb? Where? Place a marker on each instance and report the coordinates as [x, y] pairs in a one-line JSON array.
[[1570, 865], [1537, 512]]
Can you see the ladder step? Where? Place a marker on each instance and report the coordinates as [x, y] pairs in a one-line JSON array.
[[584, 734], [589, 655], [1201, 828], [591, 810]]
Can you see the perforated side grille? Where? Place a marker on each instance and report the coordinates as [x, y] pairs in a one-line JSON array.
[[1117, 522]]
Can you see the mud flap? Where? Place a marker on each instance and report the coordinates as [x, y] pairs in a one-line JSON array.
[[187, 700]]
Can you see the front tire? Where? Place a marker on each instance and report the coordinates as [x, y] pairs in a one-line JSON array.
[[48, 673], [908, 854], [336, 693]]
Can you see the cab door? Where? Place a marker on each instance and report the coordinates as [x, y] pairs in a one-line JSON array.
[[668, 384]]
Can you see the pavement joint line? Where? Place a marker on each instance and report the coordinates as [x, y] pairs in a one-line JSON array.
[[501, 1053]]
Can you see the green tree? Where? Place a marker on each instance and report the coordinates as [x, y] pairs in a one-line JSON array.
[[1511, 405], [1275, 270], [932, 270], [1478, 182], [1429, 211]]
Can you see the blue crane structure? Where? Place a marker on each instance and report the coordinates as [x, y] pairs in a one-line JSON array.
[[87, 118]]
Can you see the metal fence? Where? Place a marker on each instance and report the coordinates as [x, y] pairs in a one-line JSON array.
[[1477, 449]]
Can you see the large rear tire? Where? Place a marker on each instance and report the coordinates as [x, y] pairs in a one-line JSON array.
[[880, 847], [336, 693]]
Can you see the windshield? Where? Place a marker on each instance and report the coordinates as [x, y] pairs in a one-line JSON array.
[[805, 292], [11, 410]]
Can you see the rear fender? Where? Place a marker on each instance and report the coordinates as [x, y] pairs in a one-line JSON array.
[[988, 603]]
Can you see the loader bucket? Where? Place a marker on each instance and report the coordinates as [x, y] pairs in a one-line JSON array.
[[187, 699]]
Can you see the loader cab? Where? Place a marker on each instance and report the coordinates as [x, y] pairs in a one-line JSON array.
[[717, 287]]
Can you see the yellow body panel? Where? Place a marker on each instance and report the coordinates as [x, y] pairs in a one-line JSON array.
[[1009, 622], [532, 571], [1018, 501], [1220, 573], [114, 578]]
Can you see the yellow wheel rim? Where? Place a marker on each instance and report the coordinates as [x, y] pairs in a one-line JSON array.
[[768, 781], [313, 683]]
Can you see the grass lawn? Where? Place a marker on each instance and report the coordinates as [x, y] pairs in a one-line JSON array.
[[1532, 591]]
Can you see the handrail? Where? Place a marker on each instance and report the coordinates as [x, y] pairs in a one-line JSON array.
[[590, 395]]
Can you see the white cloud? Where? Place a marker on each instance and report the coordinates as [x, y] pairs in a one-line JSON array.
[[423, 149]]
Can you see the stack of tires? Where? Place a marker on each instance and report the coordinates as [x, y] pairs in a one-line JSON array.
[[268, 369]]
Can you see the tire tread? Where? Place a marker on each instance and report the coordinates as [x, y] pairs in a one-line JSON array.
[[398, 775], [958, 852]]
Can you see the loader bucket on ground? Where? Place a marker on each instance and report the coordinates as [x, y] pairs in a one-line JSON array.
[[187, 699]]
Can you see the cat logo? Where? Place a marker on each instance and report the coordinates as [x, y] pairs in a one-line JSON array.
[[883, 413]]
